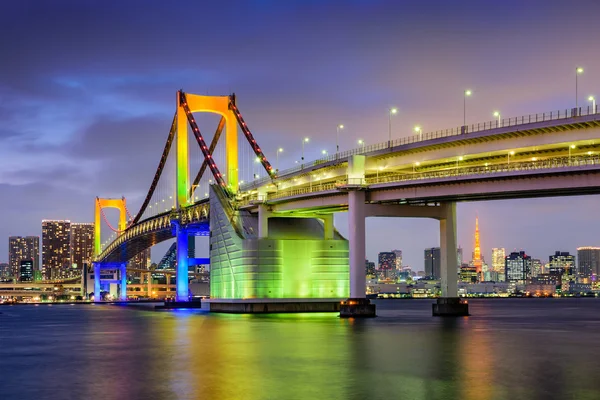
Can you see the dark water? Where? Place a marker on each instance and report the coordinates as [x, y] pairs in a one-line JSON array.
[[508, 349]]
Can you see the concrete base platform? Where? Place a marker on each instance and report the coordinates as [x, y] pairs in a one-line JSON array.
[[173, 305], [268, 306], [450, 307], [357, 308]]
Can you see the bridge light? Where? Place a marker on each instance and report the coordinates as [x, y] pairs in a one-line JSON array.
[[573, 146], [417, 163], [512, 153], [460, 158], [306, 140], [534, 159], [468, 92], [393, 110], [579, 70]]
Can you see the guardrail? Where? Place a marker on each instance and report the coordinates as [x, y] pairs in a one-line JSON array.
[[553, 163], [421, 137]]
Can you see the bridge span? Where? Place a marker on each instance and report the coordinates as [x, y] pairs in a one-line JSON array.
[[274, 238]]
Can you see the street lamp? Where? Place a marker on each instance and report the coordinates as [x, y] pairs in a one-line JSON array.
[[593, 100], [392, 111], [279, 150], [511, 153], [305, 140], [324, 152], [362, 143], [497, 115], [460, 158], [467, 93], [337, 138], [416, 164], [578, 71], [419, 131]]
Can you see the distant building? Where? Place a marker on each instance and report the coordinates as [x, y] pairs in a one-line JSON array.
[[536, 267], [82, 247], [398, 254], [588, 261], [433, 263], [477, 260], [56, 254], [468, 274], [387, 265], [26, 271], [517, 266], [5, 270], [498, 256], [23, 248], [369, 267], [459, 257], [562, 263]]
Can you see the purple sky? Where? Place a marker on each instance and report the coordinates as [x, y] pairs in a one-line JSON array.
[[87, 93]]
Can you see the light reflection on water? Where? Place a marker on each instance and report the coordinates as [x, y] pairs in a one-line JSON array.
[[508, 349]]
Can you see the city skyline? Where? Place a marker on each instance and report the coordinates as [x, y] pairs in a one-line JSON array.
[[361, 71]]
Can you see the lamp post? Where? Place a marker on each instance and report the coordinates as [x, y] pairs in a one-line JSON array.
[[305, 140], [279, 150], [510, 153], [467, 93], [571, 147], [497, 115], [420, 132], [593, 100], [416, 164], [392, 111], [578, 71], [324, 152], [460, 158], [337, 138], [362, 143]]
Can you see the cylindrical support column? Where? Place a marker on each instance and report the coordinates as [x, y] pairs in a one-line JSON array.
[[356, 238], [182, 264], [97, 282], [448, 251], [328, 226], [263, 221], [123, 295]]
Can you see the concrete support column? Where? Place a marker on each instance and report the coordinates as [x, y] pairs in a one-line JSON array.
[[182, 264], [263, 221], [448, 251], [123, 293], [356, 237], [150, 284], [97, 288], [328, 226]]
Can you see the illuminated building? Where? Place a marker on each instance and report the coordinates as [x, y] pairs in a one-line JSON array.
[[398, 259], [536, 267], [468, 274], [387, 265], [142, 260], [477, 261], [498, 255], [23, 248], [588, 261], [459, 257], [56, 254], [517, 266], [369, 267], [5, 270], [561, 263], [26, 271], [82, 247], [433, 263]]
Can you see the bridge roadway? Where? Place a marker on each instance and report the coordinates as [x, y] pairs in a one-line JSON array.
[[532, 156]]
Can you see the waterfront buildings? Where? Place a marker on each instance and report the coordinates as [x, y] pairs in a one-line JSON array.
[[23, 248], [561, 263], [498, 255], [56, 254], [398, 254], [26, 271], [4, 270], [387, 265], [517, 266], [536, 267], [369, 268], [588, 261], [432, 263], [82, 247]]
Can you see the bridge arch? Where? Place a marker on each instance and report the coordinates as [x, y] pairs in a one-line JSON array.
[[120, 205], [207, 104]]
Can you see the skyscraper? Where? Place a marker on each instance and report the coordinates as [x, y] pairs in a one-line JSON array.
[[387, 264], [477, 262], [433, 262], [588, 261], [26, 271], [498, 255], [56, 254], [517, 266], [562, 263], [82, 247], [536, 267], [398, 259], [23, 248]]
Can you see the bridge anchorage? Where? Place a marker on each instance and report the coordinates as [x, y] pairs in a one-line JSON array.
[[273, 244]]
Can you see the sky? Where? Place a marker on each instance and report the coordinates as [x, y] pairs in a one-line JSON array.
[[87, 94]]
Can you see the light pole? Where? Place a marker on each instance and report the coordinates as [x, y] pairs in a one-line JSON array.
[[305, 140], [337, 138], [571, 147], [593, 100], [467, 93], [416, 164], [420, 132], [497, 115], [578, 71], [279, 150], [324, 152], [510, 153], [362, 143], [392, 111], [460, 158]]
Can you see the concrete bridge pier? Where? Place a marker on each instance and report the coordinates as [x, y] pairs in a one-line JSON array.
[[123, 285], [449, 304], [357, 305], [97, 282], [181, 281]]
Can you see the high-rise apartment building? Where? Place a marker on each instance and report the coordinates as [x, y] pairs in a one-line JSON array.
[[517, 266], [82, 247], [498, 256], [26, 271], [56, 254], [387, 264], [23, 248], [588, 261], [369, 267], [561, 263], [433, 262], [536, 267], [4, 270], [398, 254]]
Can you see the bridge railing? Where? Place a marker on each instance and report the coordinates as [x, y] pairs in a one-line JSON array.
[[553, 163], [422, 137]]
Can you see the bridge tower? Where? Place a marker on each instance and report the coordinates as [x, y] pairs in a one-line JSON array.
[[120, 205]]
